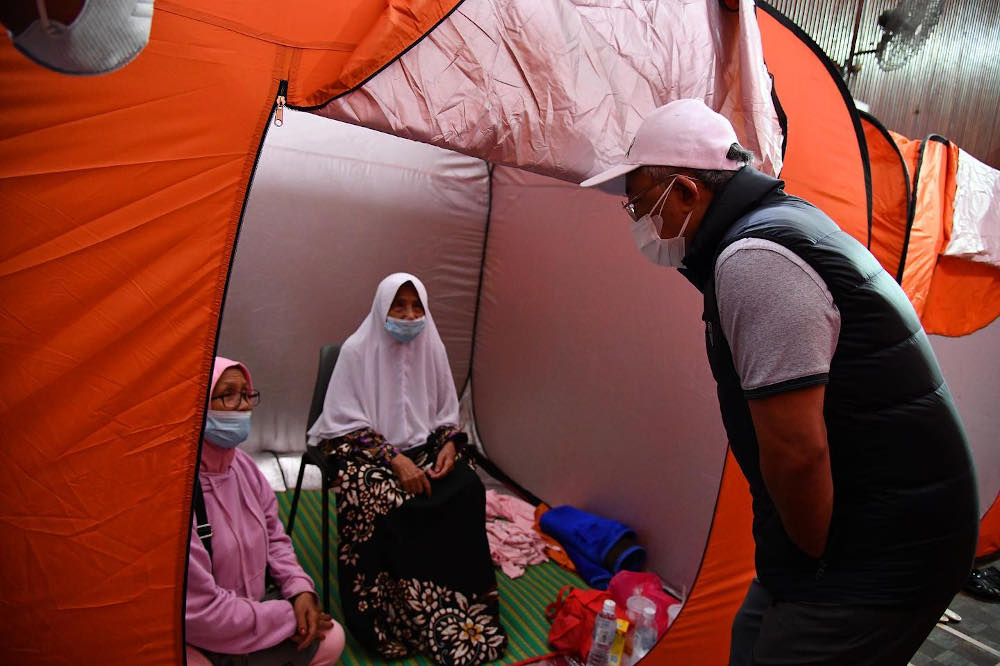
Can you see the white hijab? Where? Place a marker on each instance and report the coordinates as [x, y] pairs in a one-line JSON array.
[[402, 390]]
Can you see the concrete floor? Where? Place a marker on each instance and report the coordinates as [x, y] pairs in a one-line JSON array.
[[975, 641]]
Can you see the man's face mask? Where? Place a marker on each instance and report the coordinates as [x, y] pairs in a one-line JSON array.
[[646, 234], [106, 35], [404, 330]]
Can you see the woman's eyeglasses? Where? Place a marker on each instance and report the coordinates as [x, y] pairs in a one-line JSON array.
[[232, 400]]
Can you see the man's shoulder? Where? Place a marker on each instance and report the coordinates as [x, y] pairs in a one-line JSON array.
[[756, 254], [750, 265]]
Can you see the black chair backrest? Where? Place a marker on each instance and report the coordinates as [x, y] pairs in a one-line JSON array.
[[327, 359]]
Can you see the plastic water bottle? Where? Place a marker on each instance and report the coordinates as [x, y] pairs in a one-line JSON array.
[[605, 627], [634, 605], [645, 634]]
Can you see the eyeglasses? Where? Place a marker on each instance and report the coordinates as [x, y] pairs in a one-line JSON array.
[[629, 205], [232, 400]]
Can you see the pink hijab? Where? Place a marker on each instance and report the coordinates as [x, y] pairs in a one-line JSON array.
[[215, 458]]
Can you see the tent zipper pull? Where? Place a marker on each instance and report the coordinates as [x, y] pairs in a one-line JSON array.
[[279, 104]]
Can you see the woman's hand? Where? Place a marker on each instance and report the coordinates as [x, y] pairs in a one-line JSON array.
[[445, 462], [311, 624], [411, 477]]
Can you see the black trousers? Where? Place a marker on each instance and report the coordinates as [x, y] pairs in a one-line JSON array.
[[768, 632]]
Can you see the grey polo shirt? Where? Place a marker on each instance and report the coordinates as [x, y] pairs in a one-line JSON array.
[[777, 315]]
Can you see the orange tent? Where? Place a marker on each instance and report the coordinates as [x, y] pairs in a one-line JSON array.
[[122, 197]]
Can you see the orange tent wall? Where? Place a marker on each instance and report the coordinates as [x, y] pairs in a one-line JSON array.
[[989, 531], [963, 297], [120, 198], [933, 194], [890, 195], [953, 296], [826, 162], [910, 151]]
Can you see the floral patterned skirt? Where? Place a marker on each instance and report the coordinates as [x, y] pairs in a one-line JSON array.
[[415, 571]]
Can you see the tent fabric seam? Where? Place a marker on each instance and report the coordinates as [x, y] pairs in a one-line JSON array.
[[209, 363], [242, 29], [470, 381], [378, 71], [479, 288], [434, 174]]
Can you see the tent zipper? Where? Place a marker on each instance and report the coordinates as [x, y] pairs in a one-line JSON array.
[[279, 120], [279, 103]]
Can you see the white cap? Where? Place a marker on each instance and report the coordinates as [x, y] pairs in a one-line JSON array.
[[683, 133]]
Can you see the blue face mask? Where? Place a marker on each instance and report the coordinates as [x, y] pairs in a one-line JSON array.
[[227, 430], [404, 330]]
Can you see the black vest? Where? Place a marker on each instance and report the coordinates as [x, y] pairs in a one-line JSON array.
[[905, 514]]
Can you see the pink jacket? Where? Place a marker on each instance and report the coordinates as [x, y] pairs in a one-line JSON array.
[[223, 613]]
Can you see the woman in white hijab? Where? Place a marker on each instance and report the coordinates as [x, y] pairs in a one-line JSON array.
[[413, 560]]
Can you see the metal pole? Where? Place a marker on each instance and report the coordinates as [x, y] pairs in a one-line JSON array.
[[849, 66]]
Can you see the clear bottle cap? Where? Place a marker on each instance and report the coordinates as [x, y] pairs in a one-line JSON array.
[[609, 606]]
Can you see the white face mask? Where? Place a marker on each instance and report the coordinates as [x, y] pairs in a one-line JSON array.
[[404, 330], [106, 35], [646, 234]]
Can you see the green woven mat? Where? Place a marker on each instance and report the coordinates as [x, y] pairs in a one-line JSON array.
[[522, 600]]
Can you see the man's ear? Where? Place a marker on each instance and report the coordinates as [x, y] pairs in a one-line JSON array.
[[688, 191]]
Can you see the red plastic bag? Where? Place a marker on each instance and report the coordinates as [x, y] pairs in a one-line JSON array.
[[572, 615], [624, 583]]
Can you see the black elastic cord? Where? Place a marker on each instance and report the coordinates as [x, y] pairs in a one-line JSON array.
[[203, 527]]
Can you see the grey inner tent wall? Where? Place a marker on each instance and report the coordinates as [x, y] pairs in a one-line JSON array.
[[590, 382], [587, 389], [332, 210]]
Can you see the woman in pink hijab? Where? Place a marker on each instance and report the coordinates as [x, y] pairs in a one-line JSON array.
[[228, 614]]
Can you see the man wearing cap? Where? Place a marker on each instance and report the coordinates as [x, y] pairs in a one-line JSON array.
[[864, 499]]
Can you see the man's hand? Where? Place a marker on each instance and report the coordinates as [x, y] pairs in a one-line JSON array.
[[411, 477], [310, 623], [795, 463], [445, 462]]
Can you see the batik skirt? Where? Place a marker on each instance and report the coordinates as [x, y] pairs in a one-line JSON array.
[[415, 571]]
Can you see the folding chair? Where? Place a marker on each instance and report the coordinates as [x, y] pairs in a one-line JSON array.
[[314, 456]]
